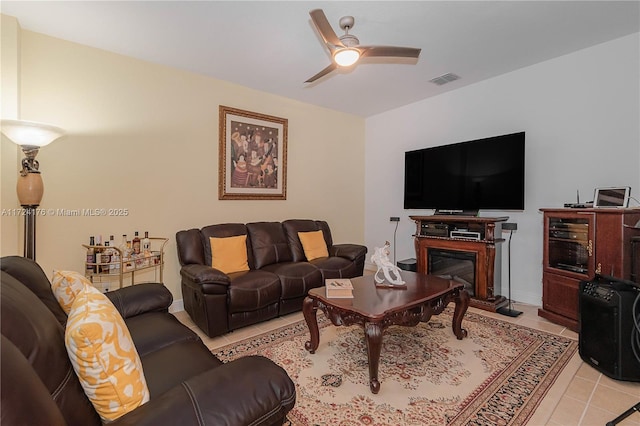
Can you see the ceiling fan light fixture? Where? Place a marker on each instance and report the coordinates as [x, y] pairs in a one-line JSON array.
[[346, 49], [346, 57]]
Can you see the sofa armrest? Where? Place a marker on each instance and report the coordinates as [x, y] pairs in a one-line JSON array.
[[348, 251], [248, 391], [203, 274], [141, 298], [206, 279]]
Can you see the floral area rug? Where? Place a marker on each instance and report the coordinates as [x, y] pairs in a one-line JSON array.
[[496, 376]]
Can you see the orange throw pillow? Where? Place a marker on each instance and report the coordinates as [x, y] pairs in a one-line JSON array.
[[313, 244], [229, 254]]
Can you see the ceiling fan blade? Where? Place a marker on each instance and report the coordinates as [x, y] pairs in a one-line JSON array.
[[322, 73], [393, 51], [324, 28]]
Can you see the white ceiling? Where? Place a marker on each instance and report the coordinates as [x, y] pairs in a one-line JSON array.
[[273, 47]]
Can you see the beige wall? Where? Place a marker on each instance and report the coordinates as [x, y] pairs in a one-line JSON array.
[[144, 137], [9, 84]]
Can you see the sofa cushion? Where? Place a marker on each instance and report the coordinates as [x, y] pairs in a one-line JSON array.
[[313, 244], [103, 355], [187, 359], [269, 243], [250, 291], [190, 249], [296, 278], [336, 267], [229, 254], [66, 285], [31, 275], [172, 331], [249, 390]]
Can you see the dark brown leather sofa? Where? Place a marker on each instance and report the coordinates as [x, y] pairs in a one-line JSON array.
[[278, 280], [188, 385]]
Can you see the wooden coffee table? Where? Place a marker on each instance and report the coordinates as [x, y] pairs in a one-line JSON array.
[[377, 308]]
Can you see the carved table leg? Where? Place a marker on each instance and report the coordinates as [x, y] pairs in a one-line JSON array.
[[462, 303], [309, 310], [373, 334]]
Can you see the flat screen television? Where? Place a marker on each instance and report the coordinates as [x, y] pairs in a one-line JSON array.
[[467, 176]]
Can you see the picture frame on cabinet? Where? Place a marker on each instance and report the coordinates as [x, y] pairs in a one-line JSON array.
[[252, 162]]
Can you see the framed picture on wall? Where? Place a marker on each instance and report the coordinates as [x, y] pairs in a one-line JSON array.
[[252, 156]]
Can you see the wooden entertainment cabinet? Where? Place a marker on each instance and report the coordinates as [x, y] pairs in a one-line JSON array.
[[578, 244], [476, 237]]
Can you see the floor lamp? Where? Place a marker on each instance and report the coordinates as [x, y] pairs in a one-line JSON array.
[[31, 136]]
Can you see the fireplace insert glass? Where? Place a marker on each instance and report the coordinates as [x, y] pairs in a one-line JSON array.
[[454, 265]]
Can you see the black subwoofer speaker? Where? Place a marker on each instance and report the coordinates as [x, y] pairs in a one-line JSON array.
[[408, 264], [607, 329]]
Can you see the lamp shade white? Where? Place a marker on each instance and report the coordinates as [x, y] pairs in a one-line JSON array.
[[30, 133]]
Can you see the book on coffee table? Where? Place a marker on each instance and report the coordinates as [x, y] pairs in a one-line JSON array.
[[339, 288]]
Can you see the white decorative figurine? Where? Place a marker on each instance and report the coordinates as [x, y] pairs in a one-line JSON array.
[[381, 258]]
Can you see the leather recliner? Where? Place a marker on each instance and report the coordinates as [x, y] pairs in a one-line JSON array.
[[278, 279], [188, 385]]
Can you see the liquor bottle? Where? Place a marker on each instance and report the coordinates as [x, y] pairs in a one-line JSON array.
[[114, 266], [91, 255], [129, 256], [109, 255], [146, 249], [123, 246], [111, 251], [146, 242], [105, 258], [136, 244], [98, 252]]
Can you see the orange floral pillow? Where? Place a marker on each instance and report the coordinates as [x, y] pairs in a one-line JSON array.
[[66, 285], [103, 355]]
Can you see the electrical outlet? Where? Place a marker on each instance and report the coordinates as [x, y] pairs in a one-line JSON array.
[[394, 219]]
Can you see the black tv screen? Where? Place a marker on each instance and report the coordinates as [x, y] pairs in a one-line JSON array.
[[480, 174]]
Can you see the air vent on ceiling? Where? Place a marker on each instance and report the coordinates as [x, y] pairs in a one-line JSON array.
[[444, 79]]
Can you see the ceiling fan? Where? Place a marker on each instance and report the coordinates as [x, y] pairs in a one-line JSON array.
[[346, 50]]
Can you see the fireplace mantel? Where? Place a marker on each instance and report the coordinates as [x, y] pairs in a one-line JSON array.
[[475, 235]]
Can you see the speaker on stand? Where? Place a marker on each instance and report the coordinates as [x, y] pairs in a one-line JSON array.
[[395, 219], [509, 311]]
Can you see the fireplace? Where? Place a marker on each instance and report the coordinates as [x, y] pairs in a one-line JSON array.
[[459, 266], [475, 262]]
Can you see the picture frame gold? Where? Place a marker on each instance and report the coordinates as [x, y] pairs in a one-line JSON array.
[[252, 163]]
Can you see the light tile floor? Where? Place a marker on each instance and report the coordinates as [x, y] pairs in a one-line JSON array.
[[581, 396]]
